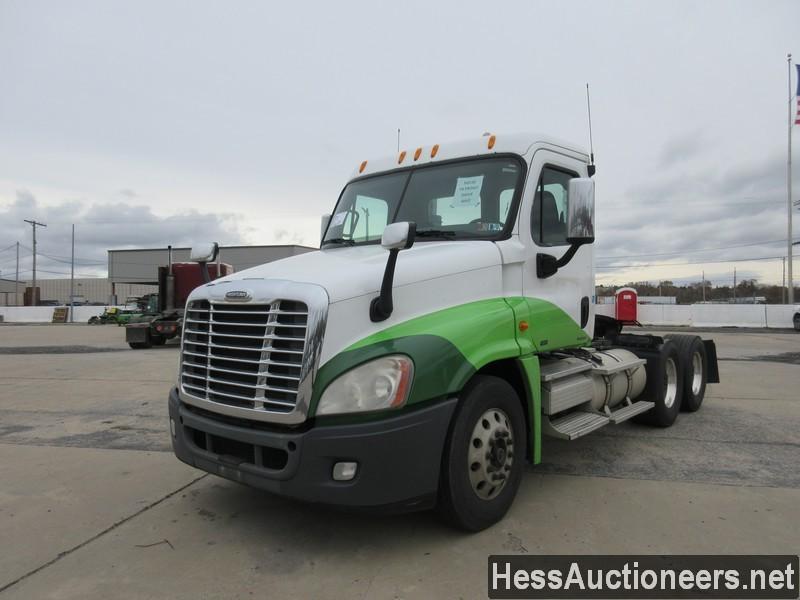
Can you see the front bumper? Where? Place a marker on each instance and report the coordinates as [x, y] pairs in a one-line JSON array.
[[398, 457]]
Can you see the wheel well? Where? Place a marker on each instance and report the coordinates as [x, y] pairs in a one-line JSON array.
[[511, 371]]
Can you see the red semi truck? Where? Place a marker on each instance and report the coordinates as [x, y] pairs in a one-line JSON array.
[[175, 282]]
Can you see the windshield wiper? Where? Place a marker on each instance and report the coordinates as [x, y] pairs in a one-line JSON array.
[[439, 233], [339, 240]]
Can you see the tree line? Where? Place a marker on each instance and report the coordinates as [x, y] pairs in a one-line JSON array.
[[691, 293]]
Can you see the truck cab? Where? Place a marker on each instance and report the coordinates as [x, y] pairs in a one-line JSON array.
[[416, 360]]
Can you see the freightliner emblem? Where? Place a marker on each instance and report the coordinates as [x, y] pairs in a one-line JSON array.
[[238, 296]]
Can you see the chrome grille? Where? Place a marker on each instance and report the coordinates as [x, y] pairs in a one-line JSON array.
[[244, 355]]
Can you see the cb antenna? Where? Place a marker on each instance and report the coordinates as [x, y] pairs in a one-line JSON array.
[[591, 168]]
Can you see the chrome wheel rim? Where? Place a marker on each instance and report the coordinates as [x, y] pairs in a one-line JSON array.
[[697, 373], [670, 383], [491, 454]]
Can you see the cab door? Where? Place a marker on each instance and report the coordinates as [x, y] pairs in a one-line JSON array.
[[561, 311]]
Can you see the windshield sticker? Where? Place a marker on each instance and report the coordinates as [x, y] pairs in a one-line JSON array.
[[468, 191], [338, 219]]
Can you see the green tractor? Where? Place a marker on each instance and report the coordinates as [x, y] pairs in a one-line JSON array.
[[118, 316]]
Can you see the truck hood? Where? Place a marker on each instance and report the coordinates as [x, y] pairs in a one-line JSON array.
[[350, 272]]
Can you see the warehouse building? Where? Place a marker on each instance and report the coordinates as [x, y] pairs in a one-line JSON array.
[[134, 272], [141, 265], [8, 289]]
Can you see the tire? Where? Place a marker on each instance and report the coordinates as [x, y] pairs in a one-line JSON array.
[[140, 345], [796, 321], [158, 340], [491, 413], [694, 364], [664, 385], [93, 321]]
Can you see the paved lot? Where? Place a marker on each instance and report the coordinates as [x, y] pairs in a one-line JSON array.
[[93, 504]]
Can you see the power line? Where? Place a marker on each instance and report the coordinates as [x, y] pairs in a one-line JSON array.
[[680, 252], [702, 262]]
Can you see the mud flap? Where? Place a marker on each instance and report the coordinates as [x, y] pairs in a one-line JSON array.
[[712, 376], [137, 333]]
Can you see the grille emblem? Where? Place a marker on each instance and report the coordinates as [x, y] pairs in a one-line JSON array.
[[238, 296]]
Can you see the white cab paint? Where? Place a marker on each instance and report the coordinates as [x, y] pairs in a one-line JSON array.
[[434, 275]]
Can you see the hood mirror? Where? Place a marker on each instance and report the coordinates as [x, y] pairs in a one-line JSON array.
[[396, 237], [204, 253], [323, 225], [399, 236]]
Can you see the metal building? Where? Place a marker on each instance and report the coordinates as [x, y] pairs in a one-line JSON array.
[[7, 289], [141, 265]]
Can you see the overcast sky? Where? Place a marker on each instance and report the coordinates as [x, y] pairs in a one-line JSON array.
[[148, 123]]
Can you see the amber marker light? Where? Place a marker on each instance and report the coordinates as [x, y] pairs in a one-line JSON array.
[[523, 326], [434, 150], [492, 140], [362, 167], [402, 157], [417, 153]]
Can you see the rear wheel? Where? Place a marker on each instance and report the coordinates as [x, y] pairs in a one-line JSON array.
[[158, 340], [693, 362], [484, 456], [796, 321], [664, 385]]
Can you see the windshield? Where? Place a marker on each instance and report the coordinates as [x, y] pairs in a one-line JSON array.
[[471, 199]]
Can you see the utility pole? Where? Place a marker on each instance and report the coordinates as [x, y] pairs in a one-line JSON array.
[[704, 286], [783, 279], [72, 279], [34, 224], [734, 285], [16, 281], [789, 185]]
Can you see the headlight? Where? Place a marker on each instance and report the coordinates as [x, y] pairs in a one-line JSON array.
[[379, 384]]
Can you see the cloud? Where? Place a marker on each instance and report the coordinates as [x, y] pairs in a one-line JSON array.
[[98, 228], [682, 148], [695, 212]]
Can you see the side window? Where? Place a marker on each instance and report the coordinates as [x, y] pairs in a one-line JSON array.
[[367, 219], [549, 214]]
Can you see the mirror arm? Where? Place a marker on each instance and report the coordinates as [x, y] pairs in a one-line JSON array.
[[548, 265], [381, 307], [204, 271]]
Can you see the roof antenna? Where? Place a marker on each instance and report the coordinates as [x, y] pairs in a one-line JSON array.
[[591, 167], [398, 139]]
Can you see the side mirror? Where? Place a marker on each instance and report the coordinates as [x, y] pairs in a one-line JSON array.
[[204, 253], [580, 227], [399, 236], [580, 215], [323, 225], [396, 237]]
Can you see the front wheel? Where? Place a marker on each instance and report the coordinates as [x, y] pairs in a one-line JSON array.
[[796, 322], [484, 456]]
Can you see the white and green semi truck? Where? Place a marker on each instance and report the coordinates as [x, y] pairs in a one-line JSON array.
[[418, 358]]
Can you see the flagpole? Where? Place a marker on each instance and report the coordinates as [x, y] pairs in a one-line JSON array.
[[789, 188]]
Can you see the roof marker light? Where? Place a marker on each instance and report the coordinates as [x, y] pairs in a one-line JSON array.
[[417, 153], [492, 140], [402, 157], [362, 167], [434, 150]]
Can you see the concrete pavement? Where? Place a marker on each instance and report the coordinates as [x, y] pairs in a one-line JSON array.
[[94, 504]]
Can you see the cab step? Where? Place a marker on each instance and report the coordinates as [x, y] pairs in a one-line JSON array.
[[574, 425], [626, 412]]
